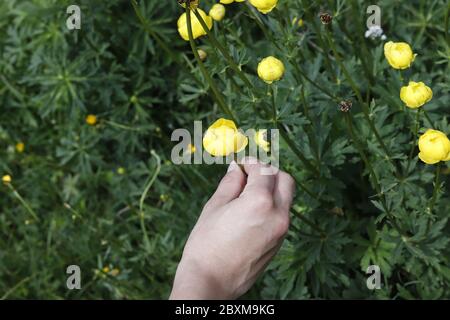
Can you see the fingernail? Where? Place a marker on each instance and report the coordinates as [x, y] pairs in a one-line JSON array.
[[233, 165]]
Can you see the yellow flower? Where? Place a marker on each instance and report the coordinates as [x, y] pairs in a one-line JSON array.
[[399, 54], [105, 270], [227, 1], [6, 179], [223, 138], [197, 29], [20, 147], [217, 12], [270, 69], [121, 170], [416, 94], [264, 6], [261, 139], [202, 54], [193, 3], [434, 146], [298, 22], [91, 120]]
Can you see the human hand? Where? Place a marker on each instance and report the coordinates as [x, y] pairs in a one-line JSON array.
[[238, 232]]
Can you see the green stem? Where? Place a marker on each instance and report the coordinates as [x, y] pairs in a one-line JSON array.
[[371, 172], [308, 222], [205, 73], [416, 130], [23, 202], [295, 149], [365, 107], [261, 25], [436, 187], [144, 195], [224, 52]]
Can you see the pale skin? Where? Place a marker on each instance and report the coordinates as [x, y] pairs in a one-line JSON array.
[[239, 231]]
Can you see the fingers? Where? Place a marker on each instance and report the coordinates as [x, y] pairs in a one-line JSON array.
[[230, 187], [284, 191], [259, 179]]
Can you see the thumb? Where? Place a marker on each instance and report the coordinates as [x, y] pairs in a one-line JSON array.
[[230, 187]]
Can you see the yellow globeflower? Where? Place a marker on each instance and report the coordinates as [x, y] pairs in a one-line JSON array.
[[434, 146], [6, 179], [223, 138], [270, 69], [20, 147], [399, 54], [197, 29], [261, 139], [264, 6], [217, 12], [91, 119], [416, 94]]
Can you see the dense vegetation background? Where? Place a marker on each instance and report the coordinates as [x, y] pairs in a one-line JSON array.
[[84, 183]]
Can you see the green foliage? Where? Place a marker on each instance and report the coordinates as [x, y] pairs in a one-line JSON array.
[[141, 80]]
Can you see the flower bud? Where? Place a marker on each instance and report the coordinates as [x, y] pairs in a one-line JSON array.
[[217, 12], [434, 146], [270, 69]]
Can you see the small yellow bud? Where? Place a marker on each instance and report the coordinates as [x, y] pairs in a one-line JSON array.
[[106, 270], [223, 138], [217, 12], [270, 69], [121, 170], [434, 146], [416, 94], [298, 22], [226, 1], [163, 197], [20, 147], [264, 6], [399, 54], [197, 29], [91, 120], [202, 54], [261, 139], [6, 179]]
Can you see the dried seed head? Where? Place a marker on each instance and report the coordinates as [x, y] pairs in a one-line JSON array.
[[345, 105], [325, 17]]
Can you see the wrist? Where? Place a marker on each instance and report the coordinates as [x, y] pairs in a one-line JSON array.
[[193, 283]]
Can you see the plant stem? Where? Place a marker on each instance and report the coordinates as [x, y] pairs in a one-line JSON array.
[[205, 73], [365, 107], [436, 186], [294, 148], [224, 52], [371, 172], [309, 223], [23, 202], [416, 130], [148, 185]]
